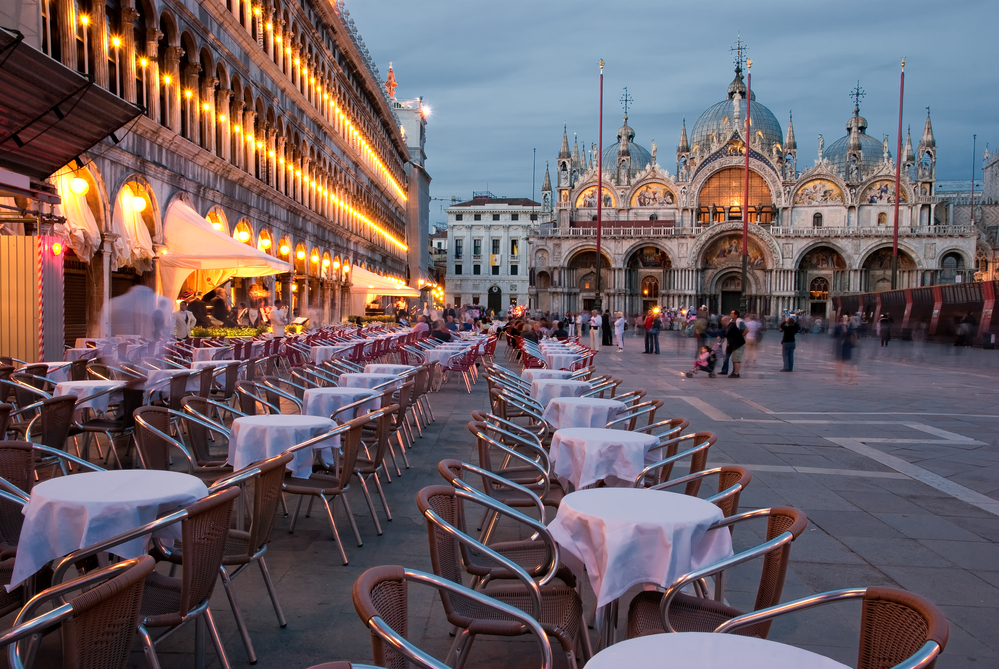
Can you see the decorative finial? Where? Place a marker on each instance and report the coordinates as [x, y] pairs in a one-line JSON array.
[[626, 100], [601, 66], [927, 111], [857, 94], [739, 48]]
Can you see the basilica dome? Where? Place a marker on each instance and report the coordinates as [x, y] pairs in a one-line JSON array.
[[872, 151], [717, 124], [640, 156]]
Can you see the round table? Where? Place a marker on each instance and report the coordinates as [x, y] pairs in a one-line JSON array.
[[68, 513], [84, 388], [375, 368], [198, 365], [560, 360], [441, 355], [628, 536], [365, 380], [545, 390], [327, 401], [321, 354], [564, 412], [72, 354], [157, 379], [209, 352], [584, 456], [256, 438], [702, 650], [57, 371], [532, 374]]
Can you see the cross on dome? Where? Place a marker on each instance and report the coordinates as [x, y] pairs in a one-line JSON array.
[[857, 94], [626, 100], [739, 48]]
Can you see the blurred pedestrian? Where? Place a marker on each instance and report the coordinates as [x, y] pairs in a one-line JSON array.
[[753, 334], [605, 328], [619, 326], [884, 328], [595, 324], [846, 340], [789, 328]]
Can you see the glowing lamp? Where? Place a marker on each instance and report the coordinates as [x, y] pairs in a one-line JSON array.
[[222, 118], [336, 264], [216, 225], [206, 106], [85, 20], [143, 62], [138, 203], [346, 268], [57, 249], [78, 186], [166, 79], [265, 243], [116, 41], [269, 26], [284, 249], [300, 254], [243, 236], [314, 258], [294, 287], [326, 262]]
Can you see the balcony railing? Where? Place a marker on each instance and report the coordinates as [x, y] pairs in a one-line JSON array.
[[549, 230], [879, 231]]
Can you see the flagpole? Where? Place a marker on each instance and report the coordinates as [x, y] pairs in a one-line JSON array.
[[898, 177], [744, 301], [598, 303]]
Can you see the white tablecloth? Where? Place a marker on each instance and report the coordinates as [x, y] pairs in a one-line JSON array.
[[628, 536], [582, 412], [702, 650], [71, 512], [441, 355], [256, 438], [560, 360], [375, 368], [365, 380], [532, 374], [57, 371], [325, 401], [544, 390], [586, 455], [77, 353], [156, 379], [321, 354], [83, 388], [198, 365], [209, 353]]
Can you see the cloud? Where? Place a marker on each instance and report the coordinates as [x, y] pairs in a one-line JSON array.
[[503, 77]]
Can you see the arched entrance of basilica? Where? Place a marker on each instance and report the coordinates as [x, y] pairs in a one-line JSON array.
[[645, 278], [582, 280], [822, 271], [721, 264]]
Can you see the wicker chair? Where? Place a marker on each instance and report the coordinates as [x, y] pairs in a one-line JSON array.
[[329, 488], [898, 629], [154, 444], [17, 468], [652, 612], [381, 598], [5, 410], [123, 424], [53, 423], [97, 624], [628, 419], [558, 608], [371, 460], [659, 472]]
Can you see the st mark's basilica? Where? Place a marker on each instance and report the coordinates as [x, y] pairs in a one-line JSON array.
[[673, 238]]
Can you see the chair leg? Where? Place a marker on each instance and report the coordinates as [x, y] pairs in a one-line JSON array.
[[371, 504], [336, 535], [294, 519], [266, 574], [244, 633], [350, 517], [395, 464], [216, 640], [381, 493], [402, 449], [149, 648]]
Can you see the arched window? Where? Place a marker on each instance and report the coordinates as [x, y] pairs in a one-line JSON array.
[[653, 217], [818, 289], [650, 287], [817, 221], [882, 219]]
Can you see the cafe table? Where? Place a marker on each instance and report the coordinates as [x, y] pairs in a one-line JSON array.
[[256, 438], [327, 401], [365, 380], [532, 374], [584, 456], [582, 411], [544, 390]]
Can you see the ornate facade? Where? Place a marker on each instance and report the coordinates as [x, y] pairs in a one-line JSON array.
[[674, 239], [267, 118]]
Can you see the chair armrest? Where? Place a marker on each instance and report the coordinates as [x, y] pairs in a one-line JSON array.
[[772, 612], [63, 455]]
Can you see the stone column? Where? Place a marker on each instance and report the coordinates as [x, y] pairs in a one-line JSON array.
[[68, 21], [236, 138], [173, 96], [208, 98], [192, 105], [222, 109], [152, 75], [268, 18], [306, 191], [293, 70], [98, 47], [250, 140], [281, 168], [270, 156], [128, 53]]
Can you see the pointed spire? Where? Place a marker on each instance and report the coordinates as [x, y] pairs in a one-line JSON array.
[[684, 146], [927, 142], [789, 143], [623, 149], [575, 153], [854, 144], [908, 157], [564, 151], [546, 187]]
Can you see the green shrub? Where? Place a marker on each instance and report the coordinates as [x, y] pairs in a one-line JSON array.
[[369, 319], [228, 332]]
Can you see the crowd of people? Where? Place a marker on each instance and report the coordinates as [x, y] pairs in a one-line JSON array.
[[199, 310]]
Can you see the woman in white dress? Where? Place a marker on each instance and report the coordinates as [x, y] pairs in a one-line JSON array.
[[619, 330]]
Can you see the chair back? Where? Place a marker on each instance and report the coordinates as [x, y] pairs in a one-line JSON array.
[[895, 624], [78, 370], [382, 434], [266, 495], [38, 371], [782, 519], [231, 376], [178, 388], [5, 410], [205, 378], [54, 421], [204, 532], [251, 368], [197, 432], [731, 476], [102, 628], [6, 391], [17, 467], [154, 450]]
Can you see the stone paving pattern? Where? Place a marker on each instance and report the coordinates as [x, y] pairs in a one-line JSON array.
[[898, 474]]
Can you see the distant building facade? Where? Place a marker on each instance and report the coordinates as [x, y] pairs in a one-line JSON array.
[[487, 251], [674, 238]]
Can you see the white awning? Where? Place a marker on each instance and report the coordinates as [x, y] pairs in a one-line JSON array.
[[80, 230], [363, 281], [134, 246], [193, 244]]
